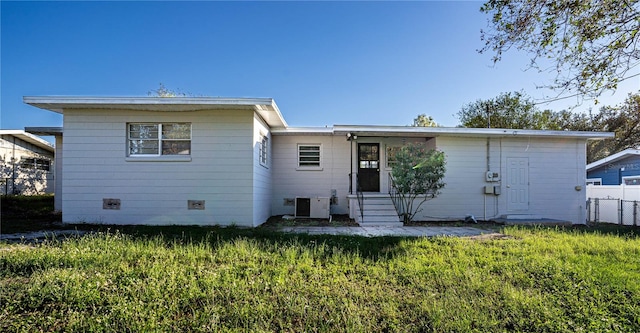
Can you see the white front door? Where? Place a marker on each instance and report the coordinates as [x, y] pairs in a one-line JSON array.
[[517, 184]]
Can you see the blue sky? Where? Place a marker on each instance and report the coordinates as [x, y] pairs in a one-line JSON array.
[[325, 63]]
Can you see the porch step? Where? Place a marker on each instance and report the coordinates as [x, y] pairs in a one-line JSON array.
[[379, 211]]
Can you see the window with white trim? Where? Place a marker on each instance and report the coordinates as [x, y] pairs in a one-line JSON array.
[[631, 180], [149, 139], [309, 155], [33, 163], [594, 181], [391, 152], [264, 150]]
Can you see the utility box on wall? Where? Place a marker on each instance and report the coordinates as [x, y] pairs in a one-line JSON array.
[[317, 208]]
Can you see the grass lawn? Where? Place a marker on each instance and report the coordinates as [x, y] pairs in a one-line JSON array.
[[228, 279]]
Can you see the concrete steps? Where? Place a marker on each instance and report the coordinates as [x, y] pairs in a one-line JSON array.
[[379, 211]]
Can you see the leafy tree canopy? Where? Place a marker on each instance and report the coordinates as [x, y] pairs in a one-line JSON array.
[[422, 120], [592, 45], [516, 111], [418, 176], [623, 120], [508, 110]]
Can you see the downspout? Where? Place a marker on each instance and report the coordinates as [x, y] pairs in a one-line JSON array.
[[13, 167], [500, 161], [488, 169]]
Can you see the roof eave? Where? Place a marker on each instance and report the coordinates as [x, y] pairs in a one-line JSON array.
[[613, 158], [265, 107], [464, 131], [30, 138]]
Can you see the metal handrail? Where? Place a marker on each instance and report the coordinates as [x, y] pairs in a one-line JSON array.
[[394, 194], [360, 197]]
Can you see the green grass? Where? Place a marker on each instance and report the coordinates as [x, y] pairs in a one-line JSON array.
[[230, 279]]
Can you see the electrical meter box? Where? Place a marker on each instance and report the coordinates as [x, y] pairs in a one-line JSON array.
[[492, 176]]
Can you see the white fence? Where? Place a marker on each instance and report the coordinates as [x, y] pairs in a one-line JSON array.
[[614, 204]]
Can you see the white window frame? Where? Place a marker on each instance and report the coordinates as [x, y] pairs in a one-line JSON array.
[[263, 150], [386, 155], [301, 164], [35, 163], [625, 178], [594, 181], [160, 155]]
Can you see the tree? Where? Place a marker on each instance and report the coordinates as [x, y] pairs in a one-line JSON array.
[[593, 45], [417, 176], [624, 121], [508, 110], [422, 120], [163, 91]]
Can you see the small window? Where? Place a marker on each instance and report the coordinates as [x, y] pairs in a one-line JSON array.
[[159, 139], [631, 180], [309, 156], [264, 150], [35, 163], [594, 181], [391, 155]]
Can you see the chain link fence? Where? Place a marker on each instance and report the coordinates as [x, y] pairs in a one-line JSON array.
[[26, 185], [609, 210]]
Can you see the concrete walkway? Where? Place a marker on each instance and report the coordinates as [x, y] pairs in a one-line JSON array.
[[391, 231], [40, 236]]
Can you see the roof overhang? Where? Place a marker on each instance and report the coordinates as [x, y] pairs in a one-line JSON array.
[[464, 131], [265, 107], [30, 138], [613, 158], [44, 131], [303, 131], [411, 131]]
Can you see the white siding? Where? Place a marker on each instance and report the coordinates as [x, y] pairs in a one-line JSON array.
[[290, 182], [556, 167], [262, 185], [220, 170]]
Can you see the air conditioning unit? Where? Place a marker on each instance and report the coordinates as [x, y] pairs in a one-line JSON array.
[[316, 208]]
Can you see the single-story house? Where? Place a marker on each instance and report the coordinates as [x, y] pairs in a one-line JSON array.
[[26, 163], [619, 168], [235, 161]]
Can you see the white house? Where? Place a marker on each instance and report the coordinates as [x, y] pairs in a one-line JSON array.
[[207, 161], [26, 163]]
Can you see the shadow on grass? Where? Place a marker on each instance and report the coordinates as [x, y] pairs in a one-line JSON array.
[[373, 248]]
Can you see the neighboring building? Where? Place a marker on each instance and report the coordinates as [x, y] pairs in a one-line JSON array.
[[26, 163], [620, 168], [207, 161]]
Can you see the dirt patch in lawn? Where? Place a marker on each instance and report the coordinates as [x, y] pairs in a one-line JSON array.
[[489, 225], [290, 221]]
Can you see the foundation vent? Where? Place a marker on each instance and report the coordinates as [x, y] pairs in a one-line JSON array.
[[110, 203], [195, 204]]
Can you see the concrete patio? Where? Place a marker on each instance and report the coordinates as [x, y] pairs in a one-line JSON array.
[[402, 231]]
